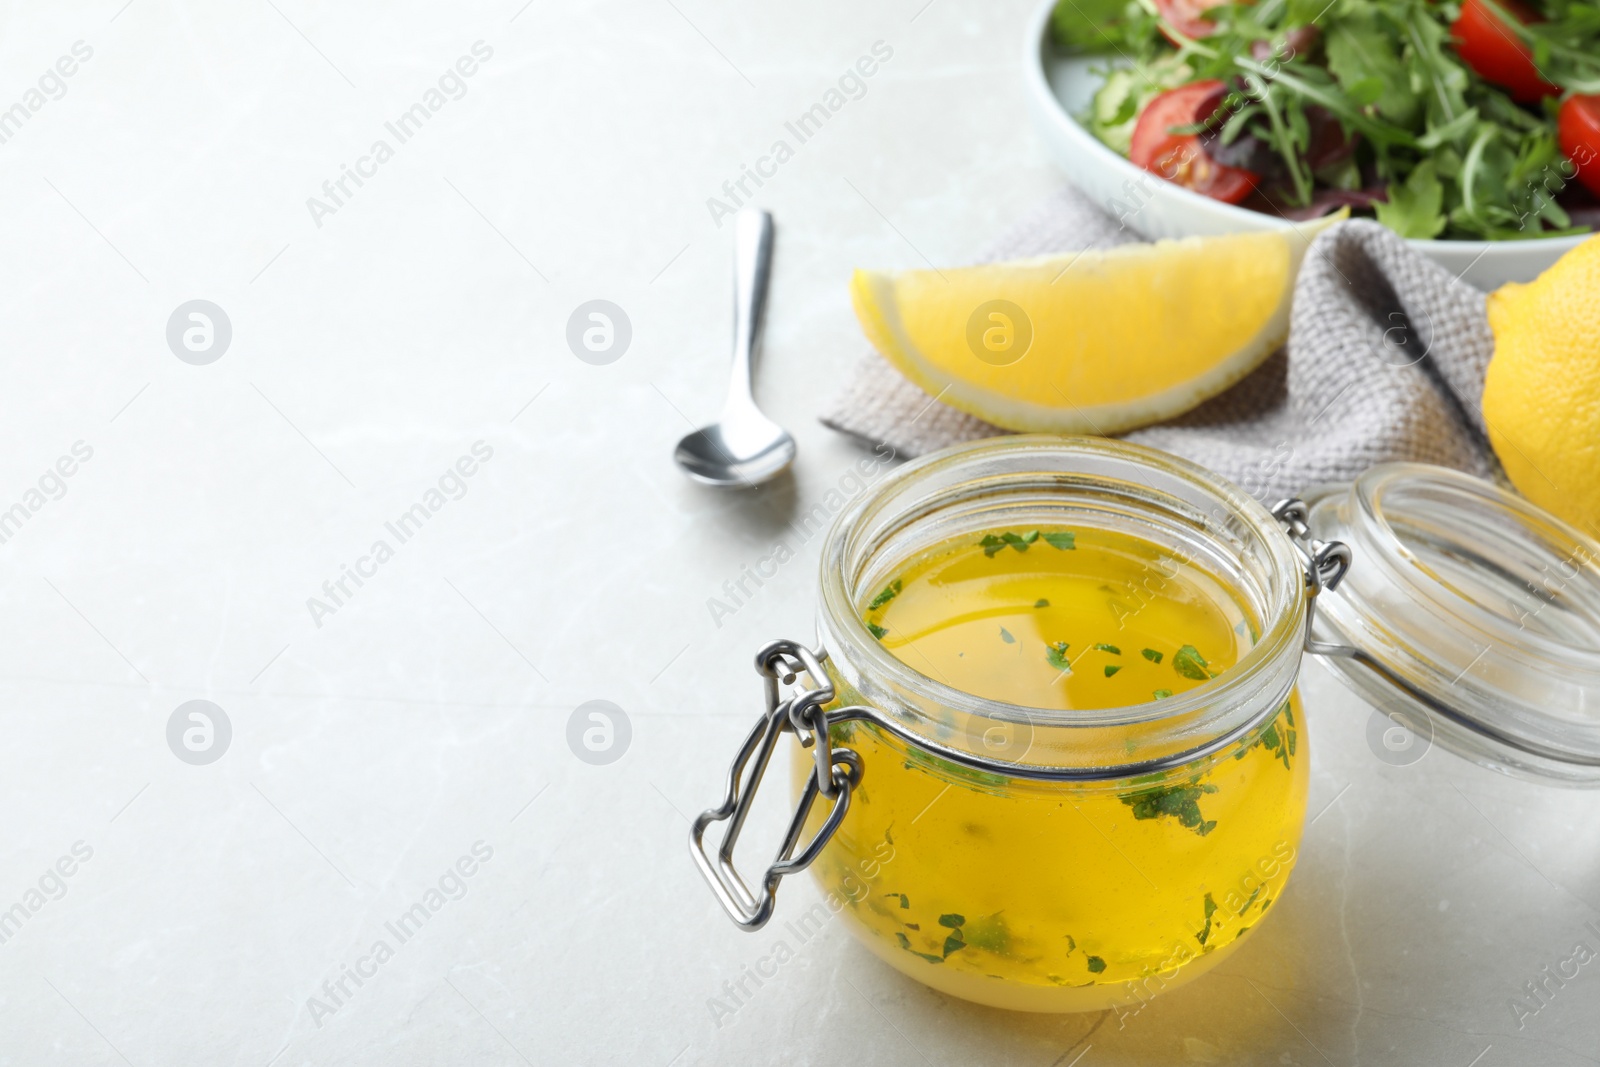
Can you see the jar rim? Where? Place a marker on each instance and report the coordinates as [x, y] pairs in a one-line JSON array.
[[1205, 718]]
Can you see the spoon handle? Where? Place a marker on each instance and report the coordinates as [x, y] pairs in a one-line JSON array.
[[752, 266]]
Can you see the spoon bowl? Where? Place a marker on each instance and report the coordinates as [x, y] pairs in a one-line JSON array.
[[744, 452]]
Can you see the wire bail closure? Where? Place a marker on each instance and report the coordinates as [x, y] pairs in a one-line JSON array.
[[1327, 562], [836, 773]]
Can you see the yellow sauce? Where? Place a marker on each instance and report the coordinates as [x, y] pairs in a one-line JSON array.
[[1057, 897]]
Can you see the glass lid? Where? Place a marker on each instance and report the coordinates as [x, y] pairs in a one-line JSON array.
[[1470, 616]]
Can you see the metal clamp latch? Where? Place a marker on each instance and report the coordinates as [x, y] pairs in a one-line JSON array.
[[1326, 562], [836, 773]]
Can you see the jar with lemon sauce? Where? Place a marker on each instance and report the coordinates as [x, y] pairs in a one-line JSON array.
[[1054, 710]]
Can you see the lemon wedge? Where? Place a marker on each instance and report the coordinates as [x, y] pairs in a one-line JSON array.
[[1541, 398], [1089, 342]]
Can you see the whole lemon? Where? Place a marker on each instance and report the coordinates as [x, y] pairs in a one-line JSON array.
[[1541, 397]]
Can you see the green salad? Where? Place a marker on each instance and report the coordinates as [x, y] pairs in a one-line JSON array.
[[1477, 119]]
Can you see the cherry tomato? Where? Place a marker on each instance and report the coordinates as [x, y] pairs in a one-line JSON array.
[[1185, 17], [1578, 127], [1496, 53], [1179, 157]]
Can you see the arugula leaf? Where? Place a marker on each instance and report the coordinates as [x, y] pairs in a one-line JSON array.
[[1449, 132], [1364, 58], [1090, 25], [1415, 208]]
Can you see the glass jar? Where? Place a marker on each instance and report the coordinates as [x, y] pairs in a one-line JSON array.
[[1074, 860]]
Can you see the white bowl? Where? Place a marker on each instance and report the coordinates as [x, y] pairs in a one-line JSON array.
[[1060, 87]]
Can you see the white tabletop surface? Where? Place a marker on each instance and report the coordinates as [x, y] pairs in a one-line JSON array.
[[376, 744]]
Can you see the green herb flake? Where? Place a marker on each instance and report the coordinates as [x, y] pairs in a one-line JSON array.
[[880, 632], [1041, 603], [1065, 540], [1096, 964], [1005, 635], [905, 901], [1181, 802], [1279, 741], [953, 943], [1113, 649], [1112, 668], [952, 920], [1162, 694], [905, 943], [1018, 542], [1211, 907], [991, 544], [989, 933], [1251, 901], [1150, 654], [1057, 656], [1188, 662], [890, 591]]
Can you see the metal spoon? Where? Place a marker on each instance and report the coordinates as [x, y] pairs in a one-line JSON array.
[[743, 447]]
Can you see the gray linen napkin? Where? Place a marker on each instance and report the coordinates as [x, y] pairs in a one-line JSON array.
[[1385, 361]]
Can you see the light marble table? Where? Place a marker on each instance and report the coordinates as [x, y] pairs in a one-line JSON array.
[[408, 735]]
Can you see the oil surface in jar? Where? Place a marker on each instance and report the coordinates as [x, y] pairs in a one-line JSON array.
[[1060, 619], [1056, 897]]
